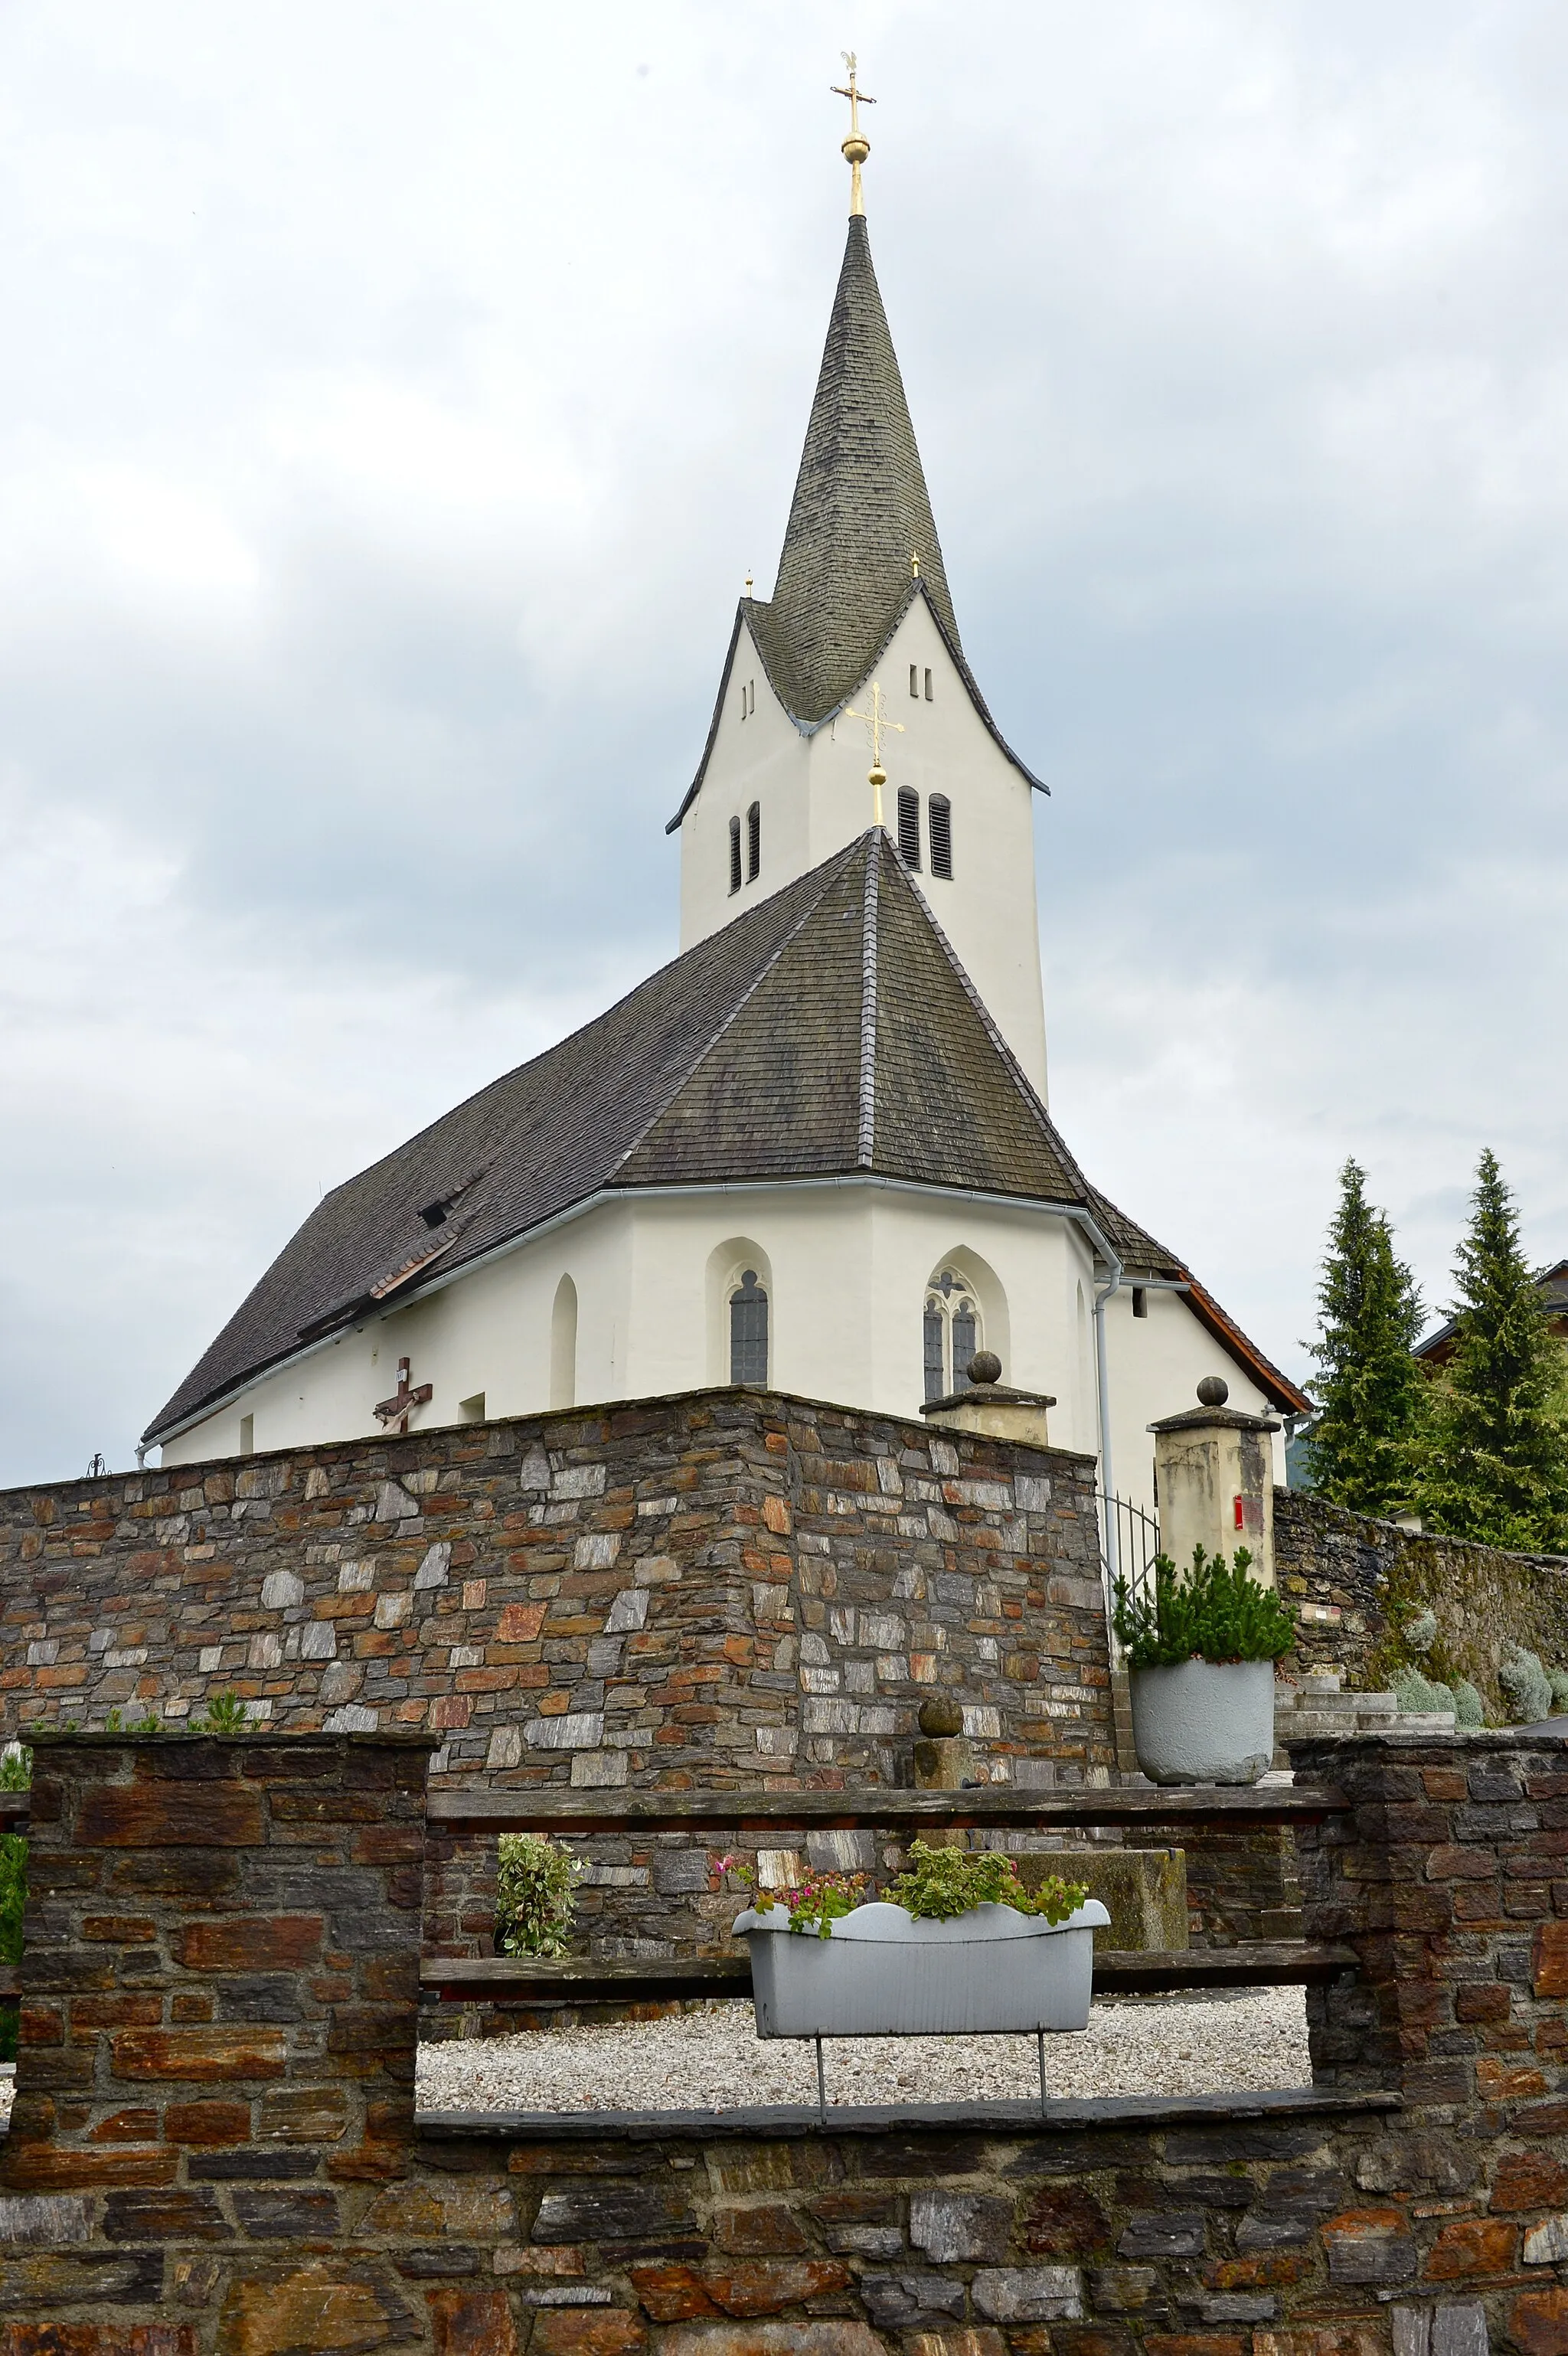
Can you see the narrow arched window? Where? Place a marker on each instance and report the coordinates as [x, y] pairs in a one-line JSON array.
[[909, 826], [941, 810], [952, 1333], [915, 679], [749, 1331], [753, 841], [734, 854], [929, 696]]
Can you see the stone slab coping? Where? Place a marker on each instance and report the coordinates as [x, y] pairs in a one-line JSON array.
[[98, 1738], [1552, 1732], [1111, 2111], [987, 1394]]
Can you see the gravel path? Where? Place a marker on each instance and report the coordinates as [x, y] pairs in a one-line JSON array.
[[714, 2059]]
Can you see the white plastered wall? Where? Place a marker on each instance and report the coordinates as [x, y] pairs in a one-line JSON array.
[[846, 1267], [814, 798]]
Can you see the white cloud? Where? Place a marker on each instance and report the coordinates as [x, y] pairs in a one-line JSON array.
[[395, 402]]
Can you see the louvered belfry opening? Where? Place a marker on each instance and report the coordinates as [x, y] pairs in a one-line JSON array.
[[909, 826], [734, 854], [753, 841], [941, 818]]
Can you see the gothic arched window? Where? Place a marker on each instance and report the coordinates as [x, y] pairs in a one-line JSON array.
[[753, 841], [749, 1331], [734, 854], [952, 1333]]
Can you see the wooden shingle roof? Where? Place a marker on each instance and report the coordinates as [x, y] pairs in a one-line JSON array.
[[828, 1030]]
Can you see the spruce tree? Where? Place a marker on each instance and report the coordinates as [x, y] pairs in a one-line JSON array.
[[1362, 1449], [1495, 1466]]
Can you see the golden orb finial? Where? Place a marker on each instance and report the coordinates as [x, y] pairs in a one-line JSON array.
[[856, 148]]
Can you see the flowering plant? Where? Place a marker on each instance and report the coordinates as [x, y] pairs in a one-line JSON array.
[[815, 1905]]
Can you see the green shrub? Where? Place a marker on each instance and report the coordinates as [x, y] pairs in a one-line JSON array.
[[1469, 1707], [1558, 1680], [535, 1895], [1527, 1688], [16, 1767], [1418, 1695], [1217, 1613]]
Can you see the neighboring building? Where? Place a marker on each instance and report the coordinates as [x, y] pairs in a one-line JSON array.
[[1553, 1287], [811, 1152]]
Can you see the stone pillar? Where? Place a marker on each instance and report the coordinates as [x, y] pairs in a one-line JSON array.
[[220, 2013], [1214, 1471], [988, 1406]]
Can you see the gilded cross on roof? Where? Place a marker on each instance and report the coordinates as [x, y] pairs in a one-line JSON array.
[[856, 148], [876, 776]]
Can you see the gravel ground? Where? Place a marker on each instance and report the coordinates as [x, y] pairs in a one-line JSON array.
[[714, 2059]]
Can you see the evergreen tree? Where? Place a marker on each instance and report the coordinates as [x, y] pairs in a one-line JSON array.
[[1495, 1465], [1362, 1449]]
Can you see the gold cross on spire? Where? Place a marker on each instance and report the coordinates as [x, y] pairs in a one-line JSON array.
[[876, 776], [856, 148]]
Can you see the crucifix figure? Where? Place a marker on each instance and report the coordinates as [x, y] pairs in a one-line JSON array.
[[876, 776], [856, 148], [398, 1410]]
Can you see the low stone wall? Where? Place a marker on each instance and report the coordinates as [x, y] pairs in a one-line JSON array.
[[1354, 1579], [214, 2155]]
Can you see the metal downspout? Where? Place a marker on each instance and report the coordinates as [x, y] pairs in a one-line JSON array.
[[1103, 1373]]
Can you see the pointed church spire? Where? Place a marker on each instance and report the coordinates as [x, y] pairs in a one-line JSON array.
[[860, 528]]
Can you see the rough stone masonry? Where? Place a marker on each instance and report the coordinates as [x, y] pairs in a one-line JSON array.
[[215, 2155], [718, 1586]]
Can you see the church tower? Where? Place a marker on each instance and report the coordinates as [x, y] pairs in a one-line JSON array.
[[861, 621]]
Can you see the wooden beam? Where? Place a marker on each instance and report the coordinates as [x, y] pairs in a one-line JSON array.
[[552, 1808], [517, 1979]]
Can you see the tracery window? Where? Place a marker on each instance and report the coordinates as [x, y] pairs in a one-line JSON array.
[[749, 1331], [953, 1333]]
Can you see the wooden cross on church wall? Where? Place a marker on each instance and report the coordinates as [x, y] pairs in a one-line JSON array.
[[399, 1409]]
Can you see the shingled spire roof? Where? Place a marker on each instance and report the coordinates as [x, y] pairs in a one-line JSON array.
[[860, 513], [830, 1030], [861, 509]]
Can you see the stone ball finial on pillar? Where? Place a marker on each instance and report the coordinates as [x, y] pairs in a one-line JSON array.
[[1213, 1390], [944, 1759], [1214, 1473], [984, 1366]]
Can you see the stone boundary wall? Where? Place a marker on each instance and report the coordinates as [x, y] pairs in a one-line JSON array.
[[730, 1583], [723, 1587], [242, 2177], [1354, 1579]]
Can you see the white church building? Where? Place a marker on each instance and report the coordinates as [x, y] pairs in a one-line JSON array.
[[813, 1152]]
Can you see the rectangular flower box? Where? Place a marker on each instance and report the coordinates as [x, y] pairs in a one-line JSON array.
[[885, 1973]]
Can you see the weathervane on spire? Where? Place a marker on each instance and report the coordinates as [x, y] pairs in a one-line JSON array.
[[856, 148], [876, 776]]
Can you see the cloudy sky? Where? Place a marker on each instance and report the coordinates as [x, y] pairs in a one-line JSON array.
[[396, 399]]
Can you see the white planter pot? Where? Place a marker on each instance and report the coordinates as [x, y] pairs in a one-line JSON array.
[[884, 1973], [1204, 1721]]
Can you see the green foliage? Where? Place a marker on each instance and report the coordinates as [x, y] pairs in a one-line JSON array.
[[1495, 1462], [225, 1714], [13, 1895], [1362, 1447], [1558, 1680], [1527, 1688], [16, 1767], [536, 1895], [1420, 1696], [1469, 1706], [1219, 1613], [939, 1884]]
